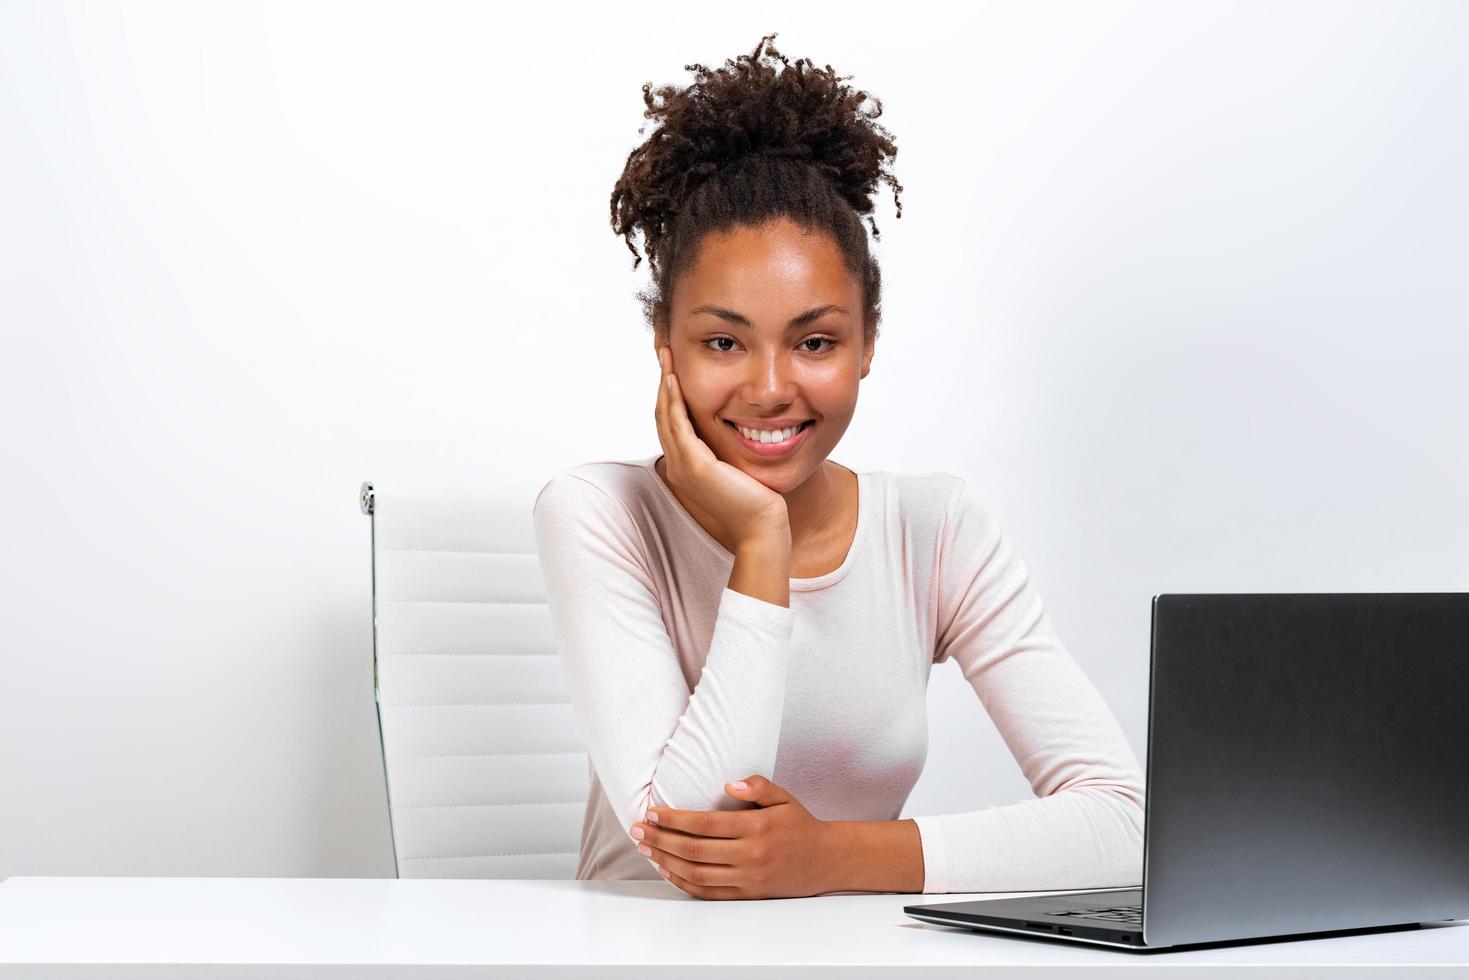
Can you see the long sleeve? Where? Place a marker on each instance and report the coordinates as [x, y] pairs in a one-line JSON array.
[[652, 741], [1085, 828]]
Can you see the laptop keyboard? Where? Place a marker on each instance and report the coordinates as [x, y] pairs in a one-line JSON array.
[[1128, 914]]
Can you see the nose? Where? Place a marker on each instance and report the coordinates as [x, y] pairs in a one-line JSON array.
[[770, 385]]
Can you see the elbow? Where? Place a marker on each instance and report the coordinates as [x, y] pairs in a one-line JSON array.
[[1135, 808], [1120, 837], [1131, 848], [1131, 810]]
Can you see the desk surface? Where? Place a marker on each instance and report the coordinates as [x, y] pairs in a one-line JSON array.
[[298, 927]]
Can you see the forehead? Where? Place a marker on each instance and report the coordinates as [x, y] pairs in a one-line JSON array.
[[769, 268]]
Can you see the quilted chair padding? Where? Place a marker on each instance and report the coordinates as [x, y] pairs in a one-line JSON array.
[[487, 773]]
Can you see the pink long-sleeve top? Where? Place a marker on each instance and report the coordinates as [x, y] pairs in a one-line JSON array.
[[680, 684]]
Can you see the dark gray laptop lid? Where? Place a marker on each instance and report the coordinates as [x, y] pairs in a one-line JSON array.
[[1306, 765]]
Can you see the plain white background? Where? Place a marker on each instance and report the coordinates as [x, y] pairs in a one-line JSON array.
[[1180, 288]]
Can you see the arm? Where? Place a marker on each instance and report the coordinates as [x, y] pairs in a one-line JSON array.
[[652, 741], [1085, 828], [876, 856], [762, 569]]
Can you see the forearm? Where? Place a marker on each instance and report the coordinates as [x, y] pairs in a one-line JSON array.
[[876, 856], [762, 569]]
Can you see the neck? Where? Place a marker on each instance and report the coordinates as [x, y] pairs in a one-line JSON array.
[[812, 507]]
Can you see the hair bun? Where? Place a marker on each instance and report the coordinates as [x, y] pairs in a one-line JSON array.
[[747, 110]]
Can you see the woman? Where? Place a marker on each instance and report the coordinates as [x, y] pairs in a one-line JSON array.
[[747, 627]]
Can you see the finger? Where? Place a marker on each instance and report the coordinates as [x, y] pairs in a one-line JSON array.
[[691, 847], [680, 424], [696, 872], [677, 412], [680, 442], [703, 880], [705, 823], [683, 886], [660, 408]]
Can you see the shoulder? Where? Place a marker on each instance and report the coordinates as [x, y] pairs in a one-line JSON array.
[[584, 524], [923, 499], [939, 509], [600, 484], [603, 495]]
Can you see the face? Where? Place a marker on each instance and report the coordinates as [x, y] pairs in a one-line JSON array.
[[743, 351]]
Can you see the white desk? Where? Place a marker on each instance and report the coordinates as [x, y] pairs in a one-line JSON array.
[[127, 928]]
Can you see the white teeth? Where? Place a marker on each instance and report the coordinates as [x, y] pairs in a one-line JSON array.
[[768, 435]]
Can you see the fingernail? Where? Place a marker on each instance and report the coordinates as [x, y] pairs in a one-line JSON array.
[[670, 382], [650, 817]]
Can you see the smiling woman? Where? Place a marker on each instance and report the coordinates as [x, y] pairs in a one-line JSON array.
[[741, 605], [770, 393], [749, 197]]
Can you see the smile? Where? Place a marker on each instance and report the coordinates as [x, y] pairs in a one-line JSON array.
[[768, 449]]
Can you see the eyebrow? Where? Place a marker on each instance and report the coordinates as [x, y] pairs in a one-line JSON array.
[[796, 321]]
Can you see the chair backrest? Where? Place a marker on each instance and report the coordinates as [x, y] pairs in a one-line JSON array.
[[486, 770]]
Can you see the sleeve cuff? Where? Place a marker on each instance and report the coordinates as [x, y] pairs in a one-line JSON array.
[[780, 619], [935, 856]]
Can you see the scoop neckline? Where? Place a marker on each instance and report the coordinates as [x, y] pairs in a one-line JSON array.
[[796, 584]]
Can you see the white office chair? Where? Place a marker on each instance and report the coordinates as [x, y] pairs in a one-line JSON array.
[[487, 773]]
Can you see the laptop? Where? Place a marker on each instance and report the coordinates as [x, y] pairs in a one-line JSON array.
[[1305, 777]]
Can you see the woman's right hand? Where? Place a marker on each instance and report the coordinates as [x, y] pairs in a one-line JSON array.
[[733, 506]]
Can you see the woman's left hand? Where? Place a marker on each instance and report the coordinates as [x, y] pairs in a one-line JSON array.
[[776, 851]]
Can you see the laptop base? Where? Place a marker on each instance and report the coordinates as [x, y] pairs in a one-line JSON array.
[[955, 915]]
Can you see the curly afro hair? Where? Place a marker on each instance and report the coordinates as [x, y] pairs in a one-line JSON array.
[[745, 144]]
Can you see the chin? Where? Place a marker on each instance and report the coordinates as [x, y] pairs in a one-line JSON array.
[[782, 478]]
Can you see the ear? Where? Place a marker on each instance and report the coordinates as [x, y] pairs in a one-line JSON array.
[[867, 353]]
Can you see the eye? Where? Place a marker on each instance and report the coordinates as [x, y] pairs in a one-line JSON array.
[[819, 340]]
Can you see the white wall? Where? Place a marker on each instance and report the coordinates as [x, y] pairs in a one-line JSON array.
[[1180, 287]]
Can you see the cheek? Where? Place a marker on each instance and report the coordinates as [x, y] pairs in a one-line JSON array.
[[698, 403], [834, 374], [700, 409], [833, 392]]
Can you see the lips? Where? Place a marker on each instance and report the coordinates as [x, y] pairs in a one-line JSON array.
[[772, 449], [804, 425]]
